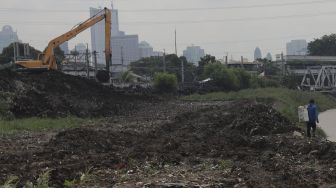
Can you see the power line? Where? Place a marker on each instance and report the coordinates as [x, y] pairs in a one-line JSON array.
[[232, 19], [180, 9], [232, 7], [144, 23]]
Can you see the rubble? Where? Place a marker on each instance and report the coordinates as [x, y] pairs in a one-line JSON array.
[[232, 144], [54, 94]]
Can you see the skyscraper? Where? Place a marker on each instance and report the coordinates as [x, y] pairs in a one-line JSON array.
[[7, 36], [269, 56], [297, 47], [257, 53], [125, 48], [145, 50], [98, 36], [65, 47], [194, 54]]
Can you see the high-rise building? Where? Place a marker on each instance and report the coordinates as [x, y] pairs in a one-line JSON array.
[[158, 53], [297, 47], [125, 48], [7, 36], [98, 33], [65, 47], [193, 54], [98, 36], [269, 56], [257, 53], [80, 48], [145, 50]]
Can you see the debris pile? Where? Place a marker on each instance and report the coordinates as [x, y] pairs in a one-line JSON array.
[[232, 144], [54, 94]]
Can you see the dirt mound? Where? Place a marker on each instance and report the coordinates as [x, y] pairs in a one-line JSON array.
[[261, 120], [211, 132], [55, 94], [235, 140]]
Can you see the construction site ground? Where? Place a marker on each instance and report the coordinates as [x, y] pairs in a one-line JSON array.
[[153, 142]]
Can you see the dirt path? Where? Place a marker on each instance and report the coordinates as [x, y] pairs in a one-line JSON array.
[[177, 144], [327, 123]]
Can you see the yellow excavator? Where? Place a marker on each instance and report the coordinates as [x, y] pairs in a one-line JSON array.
[[47, 60]]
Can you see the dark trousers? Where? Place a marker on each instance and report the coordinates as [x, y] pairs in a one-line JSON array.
[[310, 126]]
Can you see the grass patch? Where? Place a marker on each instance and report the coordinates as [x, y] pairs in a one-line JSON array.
[[39, 124], [285, 101]]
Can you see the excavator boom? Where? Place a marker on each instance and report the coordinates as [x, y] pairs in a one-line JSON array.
[[48, 61]]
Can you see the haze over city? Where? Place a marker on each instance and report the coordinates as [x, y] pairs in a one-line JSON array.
[[235, 27]]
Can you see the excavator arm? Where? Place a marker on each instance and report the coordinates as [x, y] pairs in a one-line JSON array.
[[48, 61]]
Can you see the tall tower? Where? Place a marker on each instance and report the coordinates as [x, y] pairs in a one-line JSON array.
[[115, 21], [98, 30], [257, 53]]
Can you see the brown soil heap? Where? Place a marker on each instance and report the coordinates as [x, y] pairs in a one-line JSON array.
[[239, 144], [54, 94]]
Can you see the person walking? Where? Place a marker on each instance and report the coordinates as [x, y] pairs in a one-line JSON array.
[[313, 118]]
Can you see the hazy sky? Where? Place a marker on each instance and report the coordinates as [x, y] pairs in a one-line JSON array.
[[235, 27]]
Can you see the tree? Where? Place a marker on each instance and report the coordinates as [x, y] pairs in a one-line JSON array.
[[208, 59], [269, 68], [165, 82], [59, 53], [325, 46], [149, 66], [222, 76]]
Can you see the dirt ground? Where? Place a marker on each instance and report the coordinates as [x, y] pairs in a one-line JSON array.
[[53, 94], [177, 144]]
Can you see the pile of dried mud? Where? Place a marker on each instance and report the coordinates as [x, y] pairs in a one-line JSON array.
[[258, 140], [55, 94]]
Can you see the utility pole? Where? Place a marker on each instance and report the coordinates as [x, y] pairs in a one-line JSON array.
[[14, 47], [164, 60], [242, 62], [122, 58], [26, 50], [182, 72], [283, 64], [175, 43], [182, 64], [95, 62], [87, 61], [76, 53]]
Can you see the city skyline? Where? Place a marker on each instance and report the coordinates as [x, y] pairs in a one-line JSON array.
[[222, 27]]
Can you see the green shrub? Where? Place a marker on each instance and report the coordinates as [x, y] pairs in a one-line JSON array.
[[165, 83], [41, 182], [10, 183], [231, 79], [257, 82], [291, 81], [243, 77], [222, 76]]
